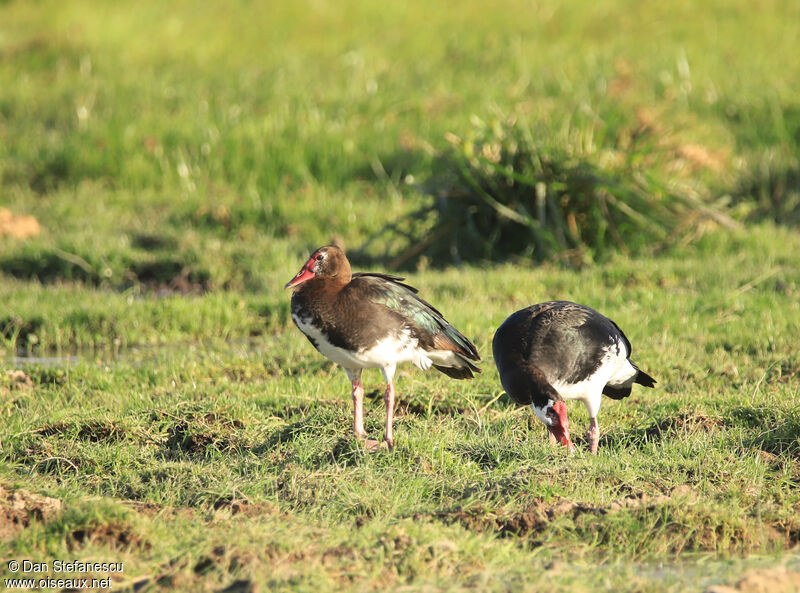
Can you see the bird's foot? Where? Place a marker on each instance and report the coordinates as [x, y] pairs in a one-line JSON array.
[[370, 445], [593, 437]]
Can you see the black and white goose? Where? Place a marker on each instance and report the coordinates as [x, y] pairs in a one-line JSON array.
[[369, 320], [557, 351]]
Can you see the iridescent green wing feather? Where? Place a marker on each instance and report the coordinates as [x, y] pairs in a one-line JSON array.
[[402, 298]]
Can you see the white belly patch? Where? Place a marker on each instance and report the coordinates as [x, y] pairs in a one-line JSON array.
[[615, 369], [391, 350]]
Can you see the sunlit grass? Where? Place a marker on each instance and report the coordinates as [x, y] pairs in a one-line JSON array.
[[182, 159]]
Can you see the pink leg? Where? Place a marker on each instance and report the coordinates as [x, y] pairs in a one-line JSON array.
[[593, 435], [358, 410], [388, 398], [358, 402]]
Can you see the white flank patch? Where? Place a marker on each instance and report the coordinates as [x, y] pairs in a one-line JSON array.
[[446, 358], [388, 351], [615, 369]]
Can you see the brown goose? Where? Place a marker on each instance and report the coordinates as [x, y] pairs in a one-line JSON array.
[[370, 320], [557, 351]]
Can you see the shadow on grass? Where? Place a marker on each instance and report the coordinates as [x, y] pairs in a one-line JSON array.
[[773, 190], [160, 273], [50, 267], [487, 456], [17, 330], [346, 451], [770, 184], [196, 433], [153, 242], [778, 430], [315, 423]]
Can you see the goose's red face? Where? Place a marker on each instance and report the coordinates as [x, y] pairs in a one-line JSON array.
[[309, 270], [560, 426], [326, 262]]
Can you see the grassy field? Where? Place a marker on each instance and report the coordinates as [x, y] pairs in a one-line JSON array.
[[181, 160]]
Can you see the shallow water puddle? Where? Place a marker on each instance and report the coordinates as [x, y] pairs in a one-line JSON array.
[[144, 354]]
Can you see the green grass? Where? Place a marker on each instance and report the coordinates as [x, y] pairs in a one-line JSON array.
[[182, 161], [217, 461]]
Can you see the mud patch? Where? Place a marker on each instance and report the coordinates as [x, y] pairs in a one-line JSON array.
[[113, 535], [93, 432], [776, 580], [18, 226], [245, 508], [18, 508]]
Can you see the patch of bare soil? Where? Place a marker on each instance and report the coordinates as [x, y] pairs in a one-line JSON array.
[[16, 380], [700, 157], [338, 553], [245, 508], [19, 508], [114, 535], [95, 431], [768, 458], [775, 580], [18, 226], [224, 560]]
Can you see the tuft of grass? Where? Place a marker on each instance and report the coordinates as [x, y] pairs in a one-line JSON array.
[[509, 189]]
